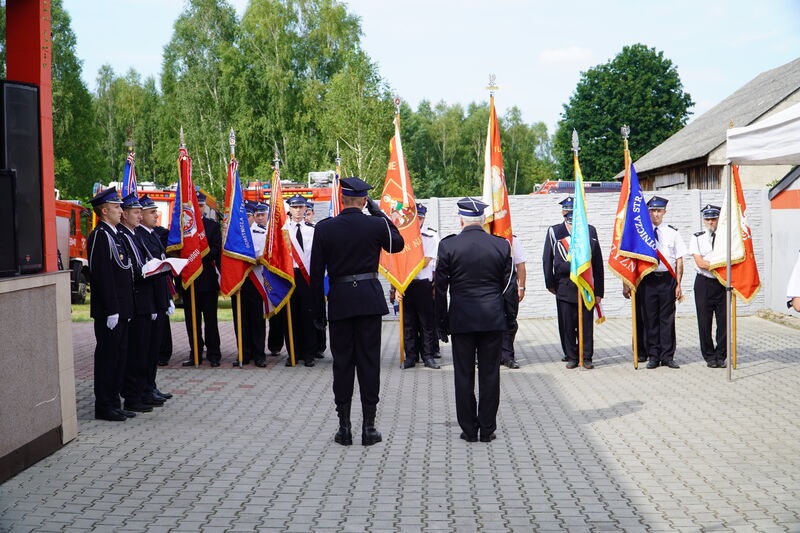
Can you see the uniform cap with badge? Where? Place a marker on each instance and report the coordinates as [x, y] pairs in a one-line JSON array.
[[131, 202], [657, 202], [470, 207], [147, 203], [421, 210], [107, 196], [710, 211], [354, 186], [567, 204], [296, 201]]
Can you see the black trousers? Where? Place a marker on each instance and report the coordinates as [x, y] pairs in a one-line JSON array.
[[641, 328], [278, 332], [562, 329], [303, 331], [165, 349], [418, 320], [254, 325], [356, 349], [486, 347], [207, 329], [110, 353], [709, 299], [158, 328], [136, 373], [507, 352], [658, 296], [569, 312]]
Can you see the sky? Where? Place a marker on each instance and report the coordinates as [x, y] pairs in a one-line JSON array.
[[446, 49]]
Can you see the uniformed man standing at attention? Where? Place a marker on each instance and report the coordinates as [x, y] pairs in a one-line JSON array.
[[321, 342], [661, 288], [709, 293], [419, 330], [508, 357], [254, 325], [348, 246], [301, 239], [554, 235], [165, 351], [477, 269], [111, 305], [206, 292]]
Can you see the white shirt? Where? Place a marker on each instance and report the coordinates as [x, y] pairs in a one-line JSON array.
[[430, 249], [670, 244], [308, 238], [517, 252], [793, 288], [700, 244], [259, 235], [113, 229]]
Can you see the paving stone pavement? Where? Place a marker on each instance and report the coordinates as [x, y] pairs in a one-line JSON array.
[[611, 449]]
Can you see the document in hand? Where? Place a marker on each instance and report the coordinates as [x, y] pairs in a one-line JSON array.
[[157, 266]]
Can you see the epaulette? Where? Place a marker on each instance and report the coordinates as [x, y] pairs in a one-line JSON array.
[[259, 231], [433, 230], [699, 233], [309, 224], [673, 227], [425, 234]]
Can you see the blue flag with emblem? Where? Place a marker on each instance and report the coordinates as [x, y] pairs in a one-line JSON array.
[[129, 176], [638, 238], [238, 253], [580, 248]]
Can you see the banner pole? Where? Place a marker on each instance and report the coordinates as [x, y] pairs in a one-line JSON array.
[[733, 330], [728, 292], [239, 325], [402, 336], [194, 326], [291, 332], [633, 328], [580, 329]]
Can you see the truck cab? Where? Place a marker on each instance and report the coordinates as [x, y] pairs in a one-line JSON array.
[[72, 228]]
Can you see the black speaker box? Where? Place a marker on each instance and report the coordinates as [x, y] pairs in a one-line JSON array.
[[20, 150], [8, 235]]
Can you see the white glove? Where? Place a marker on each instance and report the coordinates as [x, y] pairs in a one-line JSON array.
[[153, 316], [112, 321], [171, 309]]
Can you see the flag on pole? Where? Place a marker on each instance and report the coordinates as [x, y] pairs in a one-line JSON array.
[[335, 205], [238, 253], [397, 201], [278, 271], [633, 248], [495, 193], [744, 270], [129, 176], [186, 231], [580, 247]]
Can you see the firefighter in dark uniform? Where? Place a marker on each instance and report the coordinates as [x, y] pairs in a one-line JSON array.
[[254, 325], [278, 331], [137, 399], [709, 293], [567, 297], [419, 329], [321, 343], [111, 305], [661, 288], [206, 292], [161, 293], [348, 246], [555, 234], [165, 350], [301, 239], [477, 269]]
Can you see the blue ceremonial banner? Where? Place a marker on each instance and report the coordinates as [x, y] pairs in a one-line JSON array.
[[129, 177], [638, 238], [175, 235], [238, 251], [580, 248]]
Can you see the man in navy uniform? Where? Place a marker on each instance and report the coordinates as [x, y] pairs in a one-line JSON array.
[[111, 305], [709, 293], [554, 235], [567, 296], [162, 298], [477, 269], [206, 292], [661, 288], [165, 350], [301, 238], [254, 325], [348, 246], [319, 350], [419, 330], [508, 357]]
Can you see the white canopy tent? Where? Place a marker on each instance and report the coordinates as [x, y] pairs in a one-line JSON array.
[[772, 141]]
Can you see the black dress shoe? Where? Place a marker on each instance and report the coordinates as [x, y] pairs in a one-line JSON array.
[[261, 364], [152, 401], [511, 364], [126, 414], [111, 416], [672, 364], [137, 407], [642, 359], [319, 355], [652, 363], [572, 364], [437, 355], [711, 364], [564, 359], [344, 436], [288, 362], [430, 363], [488, 438], [468, 438], [721, 363], [588, 365], [163, 363], [164, 395], [409, 363], [274, 354], [236, 363], [310, 362], [214, 364], [190, 362]]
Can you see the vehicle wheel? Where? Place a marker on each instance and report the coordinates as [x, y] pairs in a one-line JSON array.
[[79, 297]]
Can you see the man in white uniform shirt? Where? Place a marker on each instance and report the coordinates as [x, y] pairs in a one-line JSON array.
[[419, 329], [662, 288], [518, 255], [301, 236], [254, 326], [709, 293]]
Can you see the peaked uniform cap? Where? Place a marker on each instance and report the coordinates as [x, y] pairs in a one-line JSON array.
[[421, 210], [354, 186], [107, 196], [147, 203], [131, 202], [296, 201], [657, 202], [710, 211], [470, 207], [567, 203]]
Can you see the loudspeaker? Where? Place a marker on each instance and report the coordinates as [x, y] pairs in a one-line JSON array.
[[8, 234], [20, 150]]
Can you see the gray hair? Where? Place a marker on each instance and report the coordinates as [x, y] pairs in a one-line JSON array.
[[470, 221]]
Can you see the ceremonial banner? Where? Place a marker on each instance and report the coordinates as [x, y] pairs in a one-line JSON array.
[[278, 274], [397, 201], [238, 253], [495, 193], [129, 177], [744, 270], [633, 253], [580, 247], [186, 231], [335, 205]]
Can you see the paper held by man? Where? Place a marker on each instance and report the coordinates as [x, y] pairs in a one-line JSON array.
[[157, 266]]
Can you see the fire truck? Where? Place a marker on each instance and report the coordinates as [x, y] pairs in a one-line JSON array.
[[568, 187], [72, 230]]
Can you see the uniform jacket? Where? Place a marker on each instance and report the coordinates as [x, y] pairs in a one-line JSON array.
[[208, 281], [554, 234], [143, 288], [111, 274], [161, 292], [566, 290], [349, 244], [477, 268]]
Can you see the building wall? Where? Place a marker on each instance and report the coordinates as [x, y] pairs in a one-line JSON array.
[[785, 220]]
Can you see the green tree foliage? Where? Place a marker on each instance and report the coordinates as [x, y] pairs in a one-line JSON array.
[[640, 88]]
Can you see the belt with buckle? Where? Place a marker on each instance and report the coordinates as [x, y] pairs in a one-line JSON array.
[[355, 278]]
